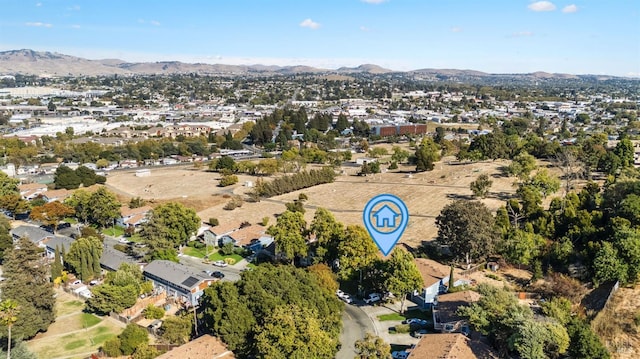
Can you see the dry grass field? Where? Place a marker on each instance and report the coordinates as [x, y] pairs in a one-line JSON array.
[[615, 324], [424, 193]]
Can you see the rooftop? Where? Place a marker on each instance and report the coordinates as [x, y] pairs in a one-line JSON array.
[[175, 273], [449, 303], [432, 272], [451, 346], [204, 347]]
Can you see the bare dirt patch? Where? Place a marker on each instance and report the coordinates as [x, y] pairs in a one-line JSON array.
[[615, 324]]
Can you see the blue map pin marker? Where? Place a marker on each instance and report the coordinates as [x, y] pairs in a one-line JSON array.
[[385, 217]]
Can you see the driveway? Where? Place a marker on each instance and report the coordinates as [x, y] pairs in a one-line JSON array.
[[382, 327], [231, 273]]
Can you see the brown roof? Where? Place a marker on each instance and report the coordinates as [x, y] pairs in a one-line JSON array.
[[451, 346], [31, 186], [204, 347], [449, 303], [245, 235], [225, 228], [125, 211], [59, 194], [431, 271]]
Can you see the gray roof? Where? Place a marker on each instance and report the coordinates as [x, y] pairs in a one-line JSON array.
[[62, 242], [35, 234], [111, 259], [175, 273]]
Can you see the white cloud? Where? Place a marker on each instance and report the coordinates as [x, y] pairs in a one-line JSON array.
[[542, 6], [373, 1], [570, 9], [522, 34], [154, 23], [310, 24], [38, 4], [38, 24], [365, 29], [140, 21], [456, 29], [75, 26]]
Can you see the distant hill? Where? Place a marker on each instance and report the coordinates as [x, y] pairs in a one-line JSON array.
[[30, 62]]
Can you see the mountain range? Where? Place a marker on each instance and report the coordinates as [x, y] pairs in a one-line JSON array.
[[30, 62]]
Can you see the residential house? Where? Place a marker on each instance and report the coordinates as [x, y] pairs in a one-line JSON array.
[[112, 259], [214, 235], [30, 191], [204, 347], [445, 311], [62, 242], [435, 277], [244, 236], [41, 238], [179, 281], [133, 216], [57, 195], [451, 346]]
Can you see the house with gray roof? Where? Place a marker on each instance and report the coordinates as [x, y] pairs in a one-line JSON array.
[[179, 281], [42, 239], [112, 259]]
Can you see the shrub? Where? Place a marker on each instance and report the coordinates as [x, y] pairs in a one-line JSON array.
[[153, 312], [112, 347], [235, 202], [265, 221], [213, 221], [403, 328], [228, 180], [227, 249]]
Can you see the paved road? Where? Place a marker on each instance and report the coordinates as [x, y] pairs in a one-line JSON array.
[[355, 324], [231, 273]]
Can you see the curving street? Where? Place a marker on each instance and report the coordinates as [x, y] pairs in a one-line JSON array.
[[355, 324]]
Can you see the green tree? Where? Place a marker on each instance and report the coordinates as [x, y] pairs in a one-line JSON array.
[[522, 247], [426, 155], [6, 240], [228, 180], [153, 312], [480, 187], [227, 315], [8, 185], [173, 223], [84, 257], [372, 347], [132, 337], [342, 123], [27, 282], [607, 265], [15, 204], [293, 332], [624, 150], [176, 330], [584, 342], [467, 227], [289, 235], [80, 201], [66, 178], [522, 165], [19, 351], [9, 310], [105, 207], [327, 231], [107, 298], [356, 251], [403, 276]]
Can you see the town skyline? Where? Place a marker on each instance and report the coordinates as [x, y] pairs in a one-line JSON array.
[[584, 37]]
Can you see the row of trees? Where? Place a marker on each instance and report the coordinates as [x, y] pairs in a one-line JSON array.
[[294, 182], [67, 178]]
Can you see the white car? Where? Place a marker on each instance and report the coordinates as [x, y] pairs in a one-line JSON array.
[[340, 293], [220, 263], [347, 298], [123, 240], [372, 298]]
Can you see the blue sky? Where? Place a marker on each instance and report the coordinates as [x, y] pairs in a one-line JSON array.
[[497, 36]]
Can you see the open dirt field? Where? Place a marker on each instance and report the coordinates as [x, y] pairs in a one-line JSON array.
[[615, 324], [424, 193]]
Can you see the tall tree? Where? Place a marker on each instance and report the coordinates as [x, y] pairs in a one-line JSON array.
[[356, 251], [8, 185], [27, 282], [51, 213], [289, 235], [80, 201], [327, 231], [172, 222], [66, 178], [293, 332], [426, 155], [522, 165], [467, 227], [6, 240], [403, 275], [84, 257], [105, 207], [480, 187], [15, 204], [9, 310]]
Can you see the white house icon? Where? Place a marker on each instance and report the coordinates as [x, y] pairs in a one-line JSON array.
[[386, 217]]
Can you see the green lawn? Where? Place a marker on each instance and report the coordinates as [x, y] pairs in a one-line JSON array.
[[391, 316], [70, 220], [217, 256], [194, 252], [213, 255], [89, 320], [116, 231]]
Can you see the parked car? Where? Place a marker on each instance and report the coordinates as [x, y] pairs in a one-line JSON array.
[[123, 240], [340, 293], [372, 298], [415, 321], [347, 298], [208, 272], [76, 282], [220, 263], [217, 274], [400, 354]]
